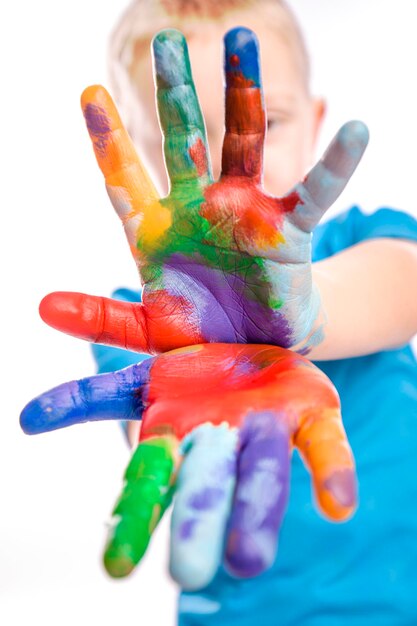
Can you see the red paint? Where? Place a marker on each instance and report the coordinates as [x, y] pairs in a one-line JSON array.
[[290, 201], [237, 79], [244, 111], [165, 323], [242, 213], [226, 383], [272, 385], [199, 156], [245, 132], [234, 60]]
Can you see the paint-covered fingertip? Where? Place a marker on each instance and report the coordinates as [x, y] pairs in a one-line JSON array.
[[49, 305], [338, 495], [69, 312], [118, 561], [243, 570], [242, 58], [56, 408], [57, 310], [94, 93], [244, 557], [354, 132], [100, 113], [192, 577], [171, 35], [32, 418], [171, 60]]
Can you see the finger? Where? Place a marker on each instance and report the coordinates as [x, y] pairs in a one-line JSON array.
[[109, 358], [309, 200], [261, 495], [185, 143], [324, 447], [96, 319], [146, 495], [245, 114], [204, 493], [164, 322], [130, 188], [117, 395], [114, 150]]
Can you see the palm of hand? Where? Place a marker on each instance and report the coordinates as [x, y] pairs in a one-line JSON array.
[[220, 261], [224, 267], [219, 422]]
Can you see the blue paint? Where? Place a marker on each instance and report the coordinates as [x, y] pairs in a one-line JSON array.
[[327, 179], [206, 498], [204, 494], [242, 43], [362, 571], [112, 396], [172, 65]]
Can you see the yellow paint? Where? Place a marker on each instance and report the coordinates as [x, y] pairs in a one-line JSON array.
[[157, 219], [187, 350]]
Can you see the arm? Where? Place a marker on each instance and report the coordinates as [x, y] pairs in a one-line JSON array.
[[368, 296]]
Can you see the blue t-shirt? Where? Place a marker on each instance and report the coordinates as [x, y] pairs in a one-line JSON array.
[[363, 571]]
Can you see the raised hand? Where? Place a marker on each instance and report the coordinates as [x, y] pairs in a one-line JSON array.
[[219, 424], [220, 261]]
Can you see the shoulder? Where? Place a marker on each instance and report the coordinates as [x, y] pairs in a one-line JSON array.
[[354, 225]]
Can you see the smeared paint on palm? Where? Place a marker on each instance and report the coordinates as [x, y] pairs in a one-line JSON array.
[[219, 422], [220, 261]]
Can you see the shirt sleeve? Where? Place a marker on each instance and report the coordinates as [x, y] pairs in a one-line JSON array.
[[354, 226]]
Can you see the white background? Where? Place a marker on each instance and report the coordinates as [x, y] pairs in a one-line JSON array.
[[59, 232]]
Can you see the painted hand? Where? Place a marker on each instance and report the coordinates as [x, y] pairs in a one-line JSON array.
[[219, 422], [220, 261]]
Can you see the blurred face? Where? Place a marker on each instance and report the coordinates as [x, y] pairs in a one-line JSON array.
[[293, 117]]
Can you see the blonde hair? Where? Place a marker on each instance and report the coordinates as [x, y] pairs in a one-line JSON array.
[[132, 36]]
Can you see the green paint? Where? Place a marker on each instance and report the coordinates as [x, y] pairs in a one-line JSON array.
[[172, 62], [145, 497], [190, 234], [180, 115], [275, 303]]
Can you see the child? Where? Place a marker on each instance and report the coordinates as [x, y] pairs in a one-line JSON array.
[[363, 570]]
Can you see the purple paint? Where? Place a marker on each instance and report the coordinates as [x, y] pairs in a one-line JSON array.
[[142, 376], [342, 485], [224, 470], [98, 125], [208, 498], [187, 528], [261, 495], [115, 395], [232, 312]]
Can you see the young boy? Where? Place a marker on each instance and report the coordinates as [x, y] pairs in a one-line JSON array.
[[365, 268]]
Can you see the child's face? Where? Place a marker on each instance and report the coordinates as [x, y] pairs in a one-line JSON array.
[[293, 116]]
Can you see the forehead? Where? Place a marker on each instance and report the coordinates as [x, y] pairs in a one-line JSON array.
[[279, 63], [281, 73]]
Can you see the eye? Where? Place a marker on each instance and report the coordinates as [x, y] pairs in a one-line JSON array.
[[273, 122], [277, 118]]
